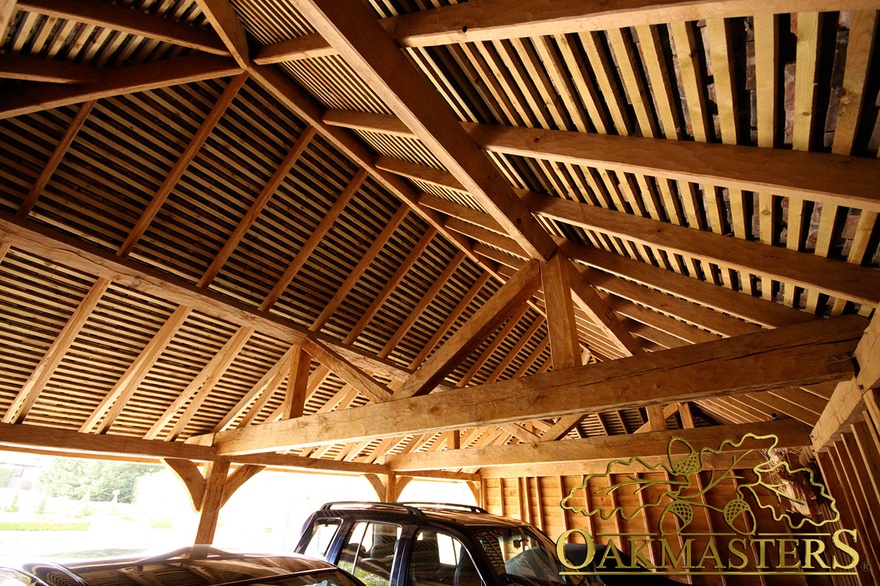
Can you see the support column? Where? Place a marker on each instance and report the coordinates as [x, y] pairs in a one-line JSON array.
[[212, 500]]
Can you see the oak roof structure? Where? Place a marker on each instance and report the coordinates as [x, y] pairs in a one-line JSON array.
[[418, 236]]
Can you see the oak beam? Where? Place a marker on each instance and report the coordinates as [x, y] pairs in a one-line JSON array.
[[75, 444], [297, 383], [610, 266], [216, 474], [352, 29], [25, 68], [839, 279], [7, 11], [753, 309], [852, 397], [817, 177], [565, 351], [70, 252], [238, 477], [596, 305], [497, 20], [365, 384], [124, 80], [596, 450], [191, 476], [473, 333], [813, 176], [846, 280], [223, 18], [36, 437], [797, 355]]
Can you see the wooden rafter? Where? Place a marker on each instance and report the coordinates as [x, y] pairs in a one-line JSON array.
[[199, 388], [744, 307], [357, 272], [513, 293], [487, 352], [351, 29], [229, 28], [126, 80], [39, 378], [180, 166], [405, 266], [123, 19], [595, 304], [675, 285], [426, 300], [314, 239], [105, 414], [46, 70], [261, 391], [54, 160], [7, 11], [257, 206], [463, 303], [836, 278], [833, 178], [53, 245]]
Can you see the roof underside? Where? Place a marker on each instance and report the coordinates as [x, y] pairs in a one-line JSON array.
[[182, 212]]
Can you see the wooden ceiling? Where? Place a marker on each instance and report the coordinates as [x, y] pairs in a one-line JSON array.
[[353, 232]]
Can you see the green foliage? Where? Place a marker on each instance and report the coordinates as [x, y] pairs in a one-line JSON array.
[[78, 479], [13, 506], [6, 476], [43, 526]]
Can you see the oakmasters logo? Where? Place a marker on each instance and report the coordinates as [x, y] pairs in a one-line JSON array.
[[738, 509]]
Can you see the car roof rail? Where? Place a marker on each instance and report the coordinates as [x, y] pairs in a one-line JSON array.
[[399, 507], [452, 506]]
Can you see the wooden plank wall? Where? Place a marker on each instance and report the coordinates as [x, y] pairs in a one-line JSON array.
[[850, 464], [537, 500]]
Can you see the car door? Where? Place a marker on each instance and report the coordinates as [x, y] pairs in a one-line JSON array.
[[435, 557], [369, 551]]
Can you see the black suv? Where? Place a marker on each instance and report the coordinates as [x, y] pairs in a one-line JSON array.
[[429, 544]]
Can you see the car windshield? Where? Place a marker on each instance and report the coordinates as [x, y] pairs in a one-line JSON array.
[[520, 555]]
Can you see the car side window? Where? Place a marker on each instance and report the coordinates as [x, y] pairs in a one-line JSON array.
[[321, 538], [438, 559], [369, 552]]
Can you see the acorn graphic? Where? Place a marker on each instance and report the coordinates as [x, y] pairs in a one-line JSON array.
[[683, 464], [680, 509], [739, 516]]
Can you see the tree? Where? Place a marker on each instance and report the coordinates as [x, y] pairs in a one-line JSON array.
[[74, 479]]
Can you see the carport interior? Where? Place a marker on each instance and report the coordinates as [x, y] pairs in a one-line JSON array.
[[512, 244]]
